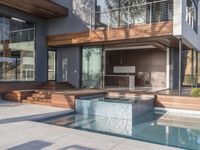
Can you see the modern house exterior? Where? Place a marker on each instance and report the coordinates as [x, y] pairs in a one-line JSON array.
[[89, 42]]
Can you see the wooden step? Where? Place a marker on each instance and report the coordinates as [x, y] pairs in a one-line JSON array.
[[57, 85], [45, 100], [37, 102]]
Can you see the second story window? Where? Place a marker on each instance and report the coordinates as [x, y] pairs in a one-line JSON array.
[[191, 14]]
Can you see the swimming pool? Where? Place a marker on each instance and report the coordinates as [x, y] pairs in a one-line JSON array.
[[155, 127]]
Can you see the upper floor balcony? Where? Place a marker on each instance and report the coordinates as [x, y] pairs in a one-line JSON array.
[[164, 21], [134, 14]]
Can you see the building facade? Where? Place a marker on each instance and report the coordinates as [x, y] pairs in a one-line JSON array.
[[83, 42]]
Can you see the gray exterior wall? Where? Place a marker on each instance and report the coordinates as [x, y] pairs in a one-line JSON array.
[[69, 65], [78, 19], [174, 68], [41, 48]]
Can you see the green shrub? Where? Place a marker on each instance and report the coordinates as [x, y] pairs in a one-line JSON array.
[[195, 92]]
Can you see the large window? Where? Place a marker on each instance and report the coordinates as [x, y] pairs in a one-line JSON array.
[[51, 65], [17, 47], [191, 13], [91, 67]]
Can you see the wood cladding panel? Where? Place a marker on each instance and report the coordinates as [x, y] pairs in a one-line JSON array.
[[17, 96], [177, 102], [42, 8], [115, 34], [65, 100], [5, 87], [150, 65], [117, 81]]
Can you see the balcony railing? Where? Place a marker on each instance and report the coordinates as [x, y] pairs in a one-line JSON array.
[[145, 13], [23, 35]]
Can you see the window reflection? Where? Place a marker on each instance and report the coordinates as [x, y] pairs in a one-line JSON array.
[[91, 67], [191, 13], [17, 46], [51, 65]]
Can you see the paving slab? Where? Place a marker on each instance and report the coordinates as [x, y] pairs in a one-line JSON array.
[[20, 131]]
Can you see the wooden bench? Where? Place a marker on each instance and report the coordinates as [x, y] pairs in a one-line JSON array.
[[178, 102], [17, 95]]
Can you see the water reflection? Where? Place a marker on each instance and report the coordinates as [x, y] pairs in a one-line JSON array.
[[151, 127]]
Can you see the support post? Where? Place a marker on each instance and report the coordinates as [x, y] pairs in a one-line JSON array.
[[103, 67], [168, 68], [108, 21], [180, 68], [128, 18], [150, 20], [91, 23], [192, 68], [196, 69]]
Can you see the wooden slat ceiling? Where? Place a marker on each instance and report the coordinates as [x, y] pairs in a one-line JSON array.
[[159, 35], [45, 9]]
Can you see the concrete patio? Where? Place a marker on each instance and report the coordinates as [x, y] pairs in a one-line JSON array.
[[20, 131]]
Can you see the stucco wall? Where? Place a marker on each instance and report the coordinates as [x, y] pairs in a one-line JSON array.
[[68, 65], [181, 28], [174, 68], [41, 48], [78, 19]]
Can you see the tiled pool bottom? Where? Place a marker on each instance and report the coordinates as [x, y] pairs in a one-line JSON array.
[[155, 128]]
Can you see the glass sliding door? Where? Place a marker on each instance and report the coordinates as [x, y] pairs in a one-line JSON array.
[[51, 65], [92, 67]]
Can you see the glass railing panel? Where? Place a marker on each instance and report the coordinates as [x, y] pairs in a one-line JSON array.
[[114, 18], [138, 14], [144, 13], [124, 17]]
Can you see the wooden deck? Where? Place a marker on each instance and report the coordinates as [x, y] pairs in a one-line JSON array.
[[66, 98], [165, 100], [177, 102]]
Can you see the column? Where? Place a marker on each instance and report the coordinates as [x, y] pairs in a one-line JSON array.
[[180, 68], [192, 68], [196, 69], [168, 68]]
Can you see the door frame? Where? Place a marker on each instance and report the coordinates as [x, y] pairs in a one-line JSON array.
[[102, 65], [52, 50]]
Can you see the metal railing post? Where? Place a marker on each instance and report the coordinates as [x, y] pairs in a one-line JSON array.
[[90, 23], [129, 18], [108, 21], [197, 69], [150, 19], [192, 68], [180, 68]]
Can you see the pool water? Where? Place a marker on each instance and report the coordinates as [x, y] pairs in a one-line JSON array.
[[162, 129]]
